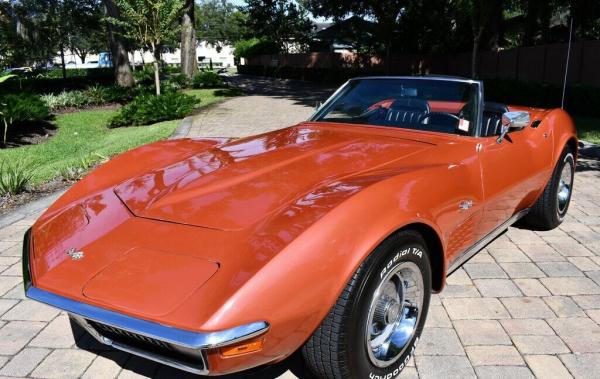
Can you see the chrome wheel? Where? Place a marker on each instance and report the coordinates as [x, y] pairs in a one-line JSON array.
[[565, 186], [394, 314]]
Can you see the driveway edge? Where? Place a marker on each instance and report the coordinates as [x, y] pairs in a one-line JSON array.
[[28, 209], [183, 129]]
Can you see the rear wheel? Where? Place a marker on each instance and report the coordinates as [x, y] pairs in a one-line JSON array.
[[373, 328], [551, 208]]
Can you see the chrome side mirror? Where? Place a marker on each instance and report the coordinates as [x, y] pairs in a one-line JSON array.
[[513, 121]]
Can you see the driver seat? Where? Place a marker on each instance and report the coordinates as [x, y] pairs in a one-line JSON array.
[[406, 111]]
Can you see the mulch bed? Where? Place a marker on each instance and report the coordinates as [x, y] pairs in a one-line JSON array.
[[30, 134], [10, 202]]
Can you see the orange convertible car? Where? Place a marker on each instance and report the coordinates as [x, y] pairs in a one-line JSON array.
[[219, 255]]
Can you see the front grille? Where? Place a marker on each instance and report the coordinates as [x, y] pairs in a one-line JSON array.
[[161, 349]]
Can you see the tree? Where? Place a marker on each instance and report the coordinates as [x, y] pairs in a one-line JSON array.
[[386, 14], [120, 58], [90, 34], [151, 23], [189, 66], [219, 23], [283, 22], [479, 11]]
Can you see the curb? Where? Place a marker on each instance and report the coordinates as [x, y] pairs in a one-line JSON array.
[[183, 129], [28, 209]]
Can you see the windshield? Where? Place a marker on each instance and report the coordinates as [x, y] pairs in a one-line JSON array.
[[436, 104]]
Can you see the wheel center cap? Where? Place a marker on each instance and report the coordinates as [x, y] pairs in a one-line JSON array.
[[391, 312]]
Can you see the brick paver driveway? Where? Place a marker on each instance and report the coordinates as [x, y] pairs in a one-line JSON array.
[[529, 305]]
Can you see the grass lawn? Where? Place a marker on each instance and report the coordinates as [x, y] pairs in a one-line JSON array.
[[81, 136], [588, 129]]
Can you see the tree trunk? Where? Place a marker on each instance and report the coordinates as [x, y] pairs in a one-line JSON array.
[[189, 66], [474, 56], [156, 54], [120, 58], [62, 61]]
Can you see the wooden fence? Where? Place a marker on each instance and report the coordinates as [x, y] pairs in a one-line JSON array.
[[544, 64]]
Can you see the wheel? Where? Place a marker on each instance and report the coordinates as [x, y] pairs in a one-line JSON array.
[[374, 327], [551, 207]]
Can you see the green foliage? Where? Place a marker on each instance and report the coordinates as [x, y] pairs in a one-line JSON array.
[[148, 109], [280, 21], [71, 99], [82, 134], [17, 109], [150, 23], [14, 177], [95, 95], [254, 47], [4, 78], [207, 79], [78, 171], [219, 23]]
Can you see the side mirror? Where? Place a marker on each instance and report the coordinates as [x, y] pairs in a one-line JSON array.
[[318, 105], [513, 121]]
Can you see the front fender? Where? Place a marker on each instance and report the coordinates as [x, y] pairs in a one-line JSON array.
[[295, 290]]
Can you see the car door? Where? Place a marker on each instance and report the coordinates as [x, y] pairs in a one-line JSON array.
[[513, 171]]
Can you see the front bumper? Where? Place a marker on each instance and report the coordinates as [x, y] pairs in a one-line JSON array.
[[183, 349]]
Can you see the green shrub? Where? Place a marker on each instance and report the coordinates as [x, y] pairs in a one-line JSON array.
[[207, 79], [13, 178], [71, 99], [253, 47], [149, 109], [17, 109], [180, 80]]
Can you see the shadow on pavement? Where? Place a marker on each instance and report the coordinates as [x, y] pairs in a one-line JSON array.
[[304, 93]]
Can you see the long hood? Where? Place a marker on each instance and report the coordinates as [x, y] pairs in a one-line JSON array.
[[235, 185]]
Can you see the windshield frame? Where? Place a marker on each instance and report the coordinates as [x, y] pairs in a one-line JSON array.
[[327, 105]]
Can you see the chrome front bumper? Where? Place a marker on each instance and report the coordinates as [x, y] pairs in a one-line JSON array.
[[183, 349]]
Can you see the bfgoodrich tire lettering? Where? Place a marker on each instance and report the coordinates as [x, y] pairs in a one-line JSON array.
[[366, 310]]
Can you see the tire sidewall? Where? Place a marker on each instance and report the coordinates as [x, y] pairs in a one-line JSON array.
[[399, 249], [566, 158]]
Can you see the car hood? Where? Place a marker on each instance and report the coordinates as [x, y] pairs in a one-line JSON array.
[[236, 184]]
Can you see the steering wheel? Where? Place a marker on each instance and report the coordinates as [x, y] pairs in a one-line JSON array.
[[443, 114]]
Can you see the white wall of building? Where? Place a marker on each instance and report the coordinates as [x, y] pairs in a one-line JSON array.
[[223, 58]]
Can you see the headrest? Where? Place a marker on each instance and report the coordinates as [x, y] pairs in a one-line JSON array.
[[410, 104], [492, 107]]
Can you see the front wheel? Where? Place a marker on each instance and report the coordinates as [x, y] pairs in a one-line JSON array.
[[374, 327], [551, 208]]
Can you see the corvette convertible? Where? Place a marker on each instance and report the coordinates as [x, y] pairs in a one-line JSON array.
[[220, 255]]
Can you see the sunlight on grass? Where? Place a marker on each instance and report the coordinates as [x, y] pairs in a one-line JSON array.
[[83, 135], [588, 129], [211, 96]]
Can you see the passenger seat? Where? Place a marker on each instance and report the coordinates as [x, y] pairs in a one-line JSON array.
[[492, 119], [406, 111]]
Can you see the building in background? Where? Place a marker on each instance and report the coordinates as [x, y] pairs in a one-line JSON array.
[[205, 53]]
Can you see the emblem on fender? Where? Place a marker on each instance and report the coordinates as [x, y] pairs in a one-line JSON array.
[[74, 254]]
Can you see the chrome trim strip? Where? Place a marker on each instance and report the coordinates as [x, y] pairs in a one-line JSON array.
[[181, 337], [470, 252]]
